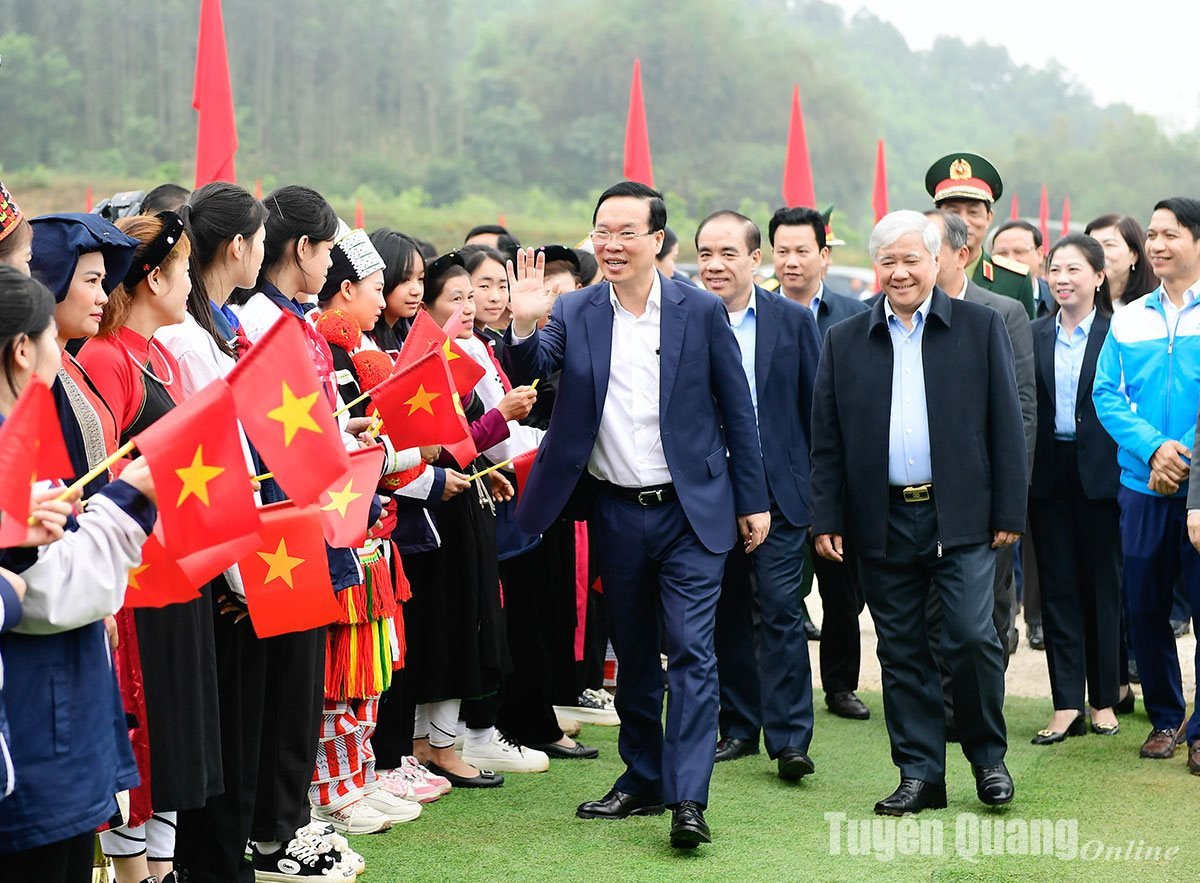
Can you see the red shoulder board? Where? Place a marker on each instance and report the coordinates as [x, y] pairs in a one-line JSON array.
[[988, 273]]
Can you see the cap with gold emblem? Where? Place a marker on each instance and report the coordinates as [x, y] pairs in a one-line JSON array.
[[963, 176], [830, 239]]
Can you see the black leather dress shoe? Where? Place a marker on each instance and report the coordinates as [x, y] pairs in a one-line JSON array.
[[1077, 727], [731, 749], [485, 779], [688, 828], [794, 764], [619, 805], [847, 705], [993, 784], [912, 796], [1037, 638], [1125, 705], [575, 752], [811, 632]]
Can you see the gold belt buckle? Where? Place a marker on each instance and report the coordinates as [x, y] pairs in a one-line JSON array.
[[919, 494]]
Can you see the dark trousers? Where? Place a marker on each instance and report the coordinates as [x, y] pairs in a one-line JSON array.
[[535, 595], [66, 861], [1031, 595], [660, 579], [294, 702], [897, 590], [841, 605], [1156, 551], [393, 736], [762, 652], [1079, 558], [211, 841]]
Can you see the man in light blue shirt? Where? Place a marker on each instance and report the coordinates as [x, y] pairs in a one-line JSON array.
[[762, 649], [908, 433]]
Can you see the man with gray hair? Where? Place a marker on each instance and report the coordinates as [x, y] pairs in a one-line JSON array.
[[919, 461]]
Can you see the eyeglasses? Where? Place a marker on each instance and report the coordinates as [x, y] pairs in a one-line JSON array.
[[625, 237]]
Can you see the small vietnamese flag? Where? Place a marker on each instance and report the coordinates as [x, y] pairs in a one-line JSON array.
[[285, 413], [346, 504], [522, 465], [464, 452], [287, 576], [195, 455], [158, 580], [425, 335], [419, 405], [32, 449]]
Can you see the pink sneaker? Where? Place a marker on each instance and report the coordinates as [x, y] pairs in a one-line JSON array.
[[413, 768], [402, 784]]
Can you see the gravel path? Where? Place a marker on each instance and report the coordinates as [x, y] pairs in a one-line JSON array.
[[1026, 676]]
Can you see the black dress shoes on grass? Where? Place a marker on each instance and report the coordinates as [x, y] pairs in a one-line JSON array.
[[732, 749], [619, 805], [688, 828], [912, 796]]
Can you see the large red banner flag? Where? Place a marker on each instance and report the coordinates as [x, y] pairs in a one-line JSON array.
[[638, 165], [283, 409], [419, 405], [31, 450], [1044, 217], [1066, 220], [879, 198], [798, 187], [212, 98], [346, 504], [200, 478], [287, 577], [425, 336]]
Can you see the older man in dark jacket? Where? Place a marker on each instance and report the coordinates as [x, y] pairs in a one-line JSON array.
[[919, 461]]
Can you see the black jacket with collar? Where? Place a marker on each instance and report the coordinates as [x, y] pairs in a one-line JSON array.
[[834, 307], [976, 437], [1099, 472]]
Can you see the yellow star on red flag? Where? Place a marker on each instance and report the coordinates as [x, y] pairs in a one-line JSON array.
[[421, 401], [195, 478], [280, 564], [339, 501], [451, 355], [134, 573], [295, 413]]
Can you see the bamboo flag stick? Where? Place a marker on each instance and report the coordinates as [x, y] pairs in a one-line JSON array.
[[483, 472], [99, 470]]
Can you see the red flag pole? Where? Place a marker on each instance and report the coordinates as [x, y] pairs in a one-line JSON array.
[[1066, 216], [638, 166], [1044, 217], [212, 98], [798, 187], [359, 222], [1015, 213]]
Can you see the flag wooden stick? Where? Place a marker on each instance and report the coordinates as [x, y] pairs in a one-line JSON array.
[[99, 470], [263, 477], [482, 472], [350, 404]]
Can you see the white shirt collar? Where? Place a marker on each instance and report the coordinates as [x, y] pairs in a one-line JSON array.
[[962, 292], [655, 299]]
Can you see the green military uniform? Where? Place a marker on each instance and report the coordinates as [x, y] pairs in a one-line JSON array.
[[959, 176]]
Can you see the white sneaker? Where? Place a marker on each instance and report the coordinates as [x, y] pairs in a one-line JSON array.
[[325, 833], [595, 707], [393, 808], [357, 818], [503, 755]]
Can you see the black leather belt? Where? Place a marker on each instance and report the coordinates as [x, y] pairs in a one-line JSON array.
[[920, 493], [643, 496]]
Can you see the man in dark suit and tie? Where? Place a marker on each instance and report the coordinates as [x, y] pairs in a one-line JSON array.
[[653, 440], [919, 460], [762, 650], [800, 251]]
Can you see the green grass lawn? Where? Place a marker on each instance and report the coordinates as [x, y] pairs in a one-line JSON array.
[[765, 829]]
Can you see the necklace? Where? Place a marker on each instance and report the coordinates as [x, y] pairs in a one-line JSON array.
[[145, 369]]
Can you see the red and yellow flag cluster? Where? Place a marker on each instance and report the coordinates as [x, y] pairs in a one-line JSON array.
[[208, 517]]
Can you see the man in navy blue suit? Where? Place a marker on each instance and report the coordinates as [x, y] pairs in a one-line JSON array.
[[800, 250], [653, 440], [762, 649]]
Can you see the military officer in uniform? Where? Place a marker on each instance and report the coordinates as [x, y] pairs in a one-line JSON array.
[[966, 184]]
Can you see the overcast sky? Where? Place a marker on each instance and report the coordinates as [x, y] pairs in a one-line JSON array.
[[1144, 54]]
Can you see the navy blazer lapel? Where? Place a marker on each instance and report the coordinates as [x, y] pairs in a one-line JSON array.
[[766, 333], [1087, 371], [672, 325], [1045, 361], [599, 324]]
